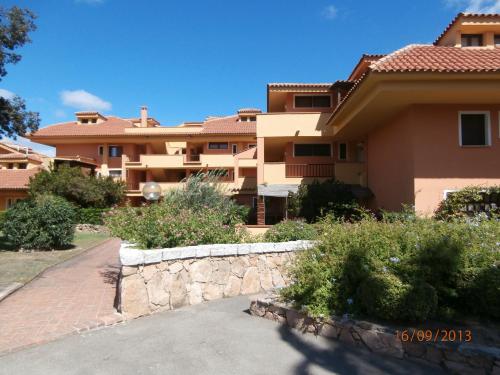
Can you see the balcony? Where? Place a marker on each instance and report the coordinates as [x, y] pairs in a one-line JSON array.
[[280, 125], [163, 161], [282, 173], [351, 173], [310, 170]]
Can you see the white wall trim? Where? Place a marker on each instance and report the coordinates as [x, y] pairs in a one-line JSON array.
[[132, 256]]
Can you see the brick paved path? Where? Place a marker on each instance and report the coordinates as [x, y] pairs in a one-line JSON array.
[[74, 296]]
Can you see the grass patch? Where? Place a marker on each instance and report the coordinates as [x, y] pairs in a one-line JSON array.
[[23, 267]]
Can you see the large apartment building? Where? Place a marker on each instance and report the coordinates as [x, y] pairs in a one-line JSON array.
[[403, 128]]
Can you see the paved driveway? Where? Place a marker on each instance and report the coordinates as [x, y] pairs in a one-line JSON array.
[[213, 338], [75, 295]]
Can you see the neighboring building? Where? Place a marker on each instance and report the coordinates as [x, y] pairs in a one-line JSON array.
[[17, 165], [140, 150], [404, 128]]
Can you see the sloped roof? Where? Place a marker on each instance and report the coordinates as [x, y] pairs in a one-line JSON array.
[[463, 15], [16, 179], [429, 58], [112, 126], [229, 125], [18, 155], [432, 59]]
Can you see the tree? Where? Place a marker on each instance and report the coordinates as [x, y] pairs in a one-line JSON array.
[[15, 26], [83, 190]]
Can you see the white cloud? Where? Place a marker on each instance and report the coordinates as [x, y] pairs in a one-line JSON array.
[[59, 113], [6, 94], [330, 12], [83, 100], [475, 6]]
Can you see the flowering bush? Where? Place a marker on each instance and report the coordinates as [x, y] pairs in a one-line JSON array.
[[199, 213], [291, 230], [408, 271]]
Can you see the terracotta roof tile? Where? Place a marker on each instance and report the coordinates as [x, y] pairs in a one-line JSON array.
[[429, 58], [296, 84], [16, 179], [464, 15], [112, 126], [18, 155], [229, 125]]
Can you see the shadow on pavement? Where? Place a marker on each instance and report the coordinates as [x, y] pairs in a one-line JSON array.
[[347, 360]]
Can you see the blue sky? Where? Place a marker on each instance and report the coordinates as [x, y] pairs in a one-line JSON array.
[[189, 59]]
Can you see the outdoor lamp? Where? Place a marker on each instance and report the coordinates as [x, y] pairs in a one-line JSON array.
[[151, 191]]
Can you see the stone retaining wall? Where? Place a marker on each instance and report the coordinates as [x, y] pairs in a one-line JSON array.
[[461, 358], [153, 280]]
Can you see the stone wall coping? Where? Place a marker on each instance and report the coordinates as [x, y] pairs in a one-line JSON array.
[[130, 255]]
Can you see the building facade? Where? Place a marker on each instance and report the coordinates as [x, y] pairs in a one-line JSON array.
[[403, 128]]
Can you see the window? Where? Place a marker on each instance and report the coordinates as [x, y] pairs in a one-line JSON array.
[[252, 145], [248, 118], [472, 40], [22, 166], [10, 166], [312, 101], [255, 201], [93, 121], [243, 118], [322, 149], [342, 151], [234, 149], [85, 120], [116, 173], [497, 40], [474, 129], [218, 146], [100, 150], [115, 151]]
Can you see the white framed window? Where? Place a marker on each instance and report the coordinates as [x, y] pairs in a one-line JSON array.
[[474, 128], [312, 101], [448, 192], [234, 148], [342, 154]]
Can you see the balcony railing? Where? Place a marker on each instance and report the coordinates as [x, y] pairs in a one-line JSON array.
[[192, 158], [310, 170]]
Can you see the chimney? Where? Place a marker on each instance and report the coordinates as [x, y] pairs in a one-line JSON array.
[[144, 117]]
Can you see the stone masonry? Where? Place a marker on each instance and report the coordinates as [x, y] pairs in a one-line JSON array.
[[153, 280], [461, 359]]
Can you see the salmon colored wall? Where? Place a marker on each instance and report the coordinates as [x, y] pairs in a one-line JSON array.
[[4, 195], [440, 163], [389, 158], [290, 103], [248, 172], [291, 159], [91, 151]]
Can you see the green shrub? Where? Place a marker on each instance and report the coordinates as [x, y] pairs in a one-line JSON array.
[[469, 201], [291, 230], [382, 296], [199, 213], [430, 267], [2, 218], [77, 187], [93, 216], [313, 201], [41, 223]]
